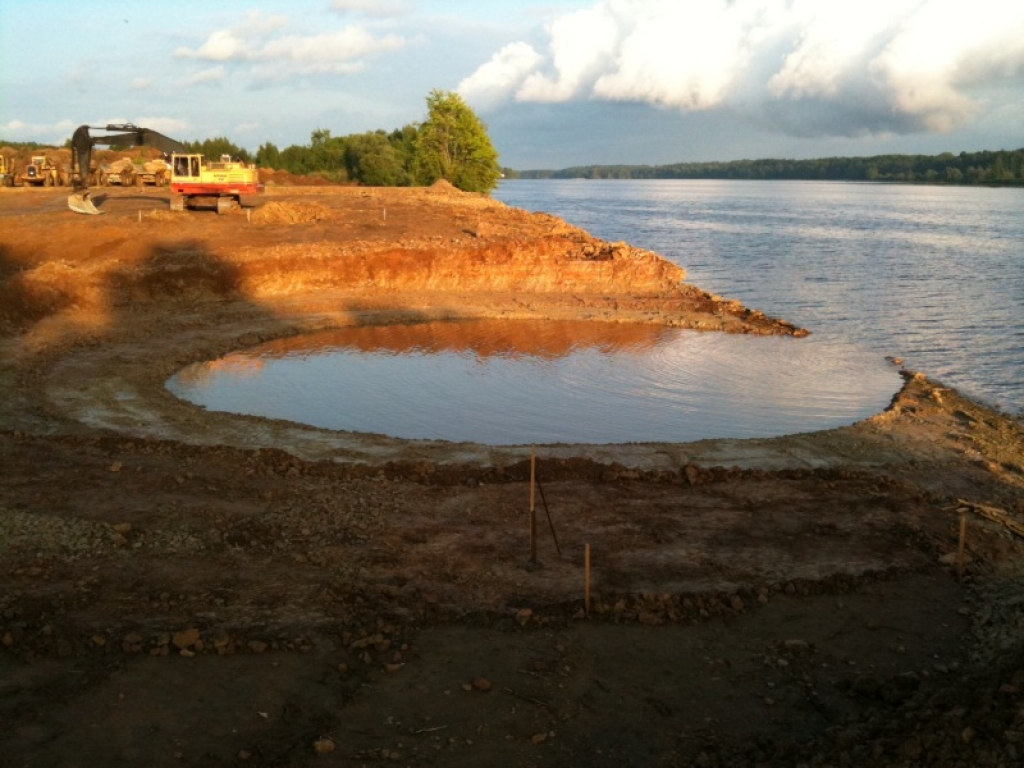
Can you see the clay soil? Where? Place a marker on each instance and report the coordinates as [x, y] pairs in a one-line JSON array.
[[179, 587]]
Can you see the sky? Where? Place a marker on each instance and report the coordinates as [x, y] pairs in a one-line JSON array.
[[557, 82]]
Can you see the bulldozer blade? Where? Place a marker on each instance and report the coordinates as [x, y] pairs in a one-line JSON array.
[[79, 202]]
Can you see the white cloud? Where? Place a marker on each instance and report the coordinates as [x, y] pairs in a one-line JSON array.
[[582, 44], [498, 78], [328, 52], [222, 45], [170, 126], [253, 45], [21, 130], [209, 75], [140, 84], [841, 67], [369, 8]]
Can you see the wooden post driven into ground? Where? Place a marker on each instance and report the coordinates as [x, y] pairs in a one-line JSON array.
[[586, 579], [960, 547], [533, 505]]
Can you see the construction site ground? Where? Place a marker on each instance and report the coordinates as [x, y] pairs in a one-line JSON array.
[[188, 588]]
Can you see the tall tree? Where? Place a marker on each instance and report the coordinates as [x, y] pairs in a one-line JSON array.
[[453, 145]]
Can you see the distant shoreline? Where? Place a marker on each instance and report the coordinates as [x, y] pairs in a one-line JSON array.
[[985, 168]]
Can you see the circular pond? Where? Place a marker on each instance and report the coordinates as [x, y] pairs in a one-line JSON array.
[[503, 382]]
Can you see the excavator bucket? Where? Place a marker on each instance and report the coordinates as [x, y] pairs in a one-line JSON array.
[[80, 203]]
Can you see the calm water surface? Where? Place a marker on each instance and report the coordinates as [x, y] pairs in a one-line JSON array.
[[516, 382], [934, 275]]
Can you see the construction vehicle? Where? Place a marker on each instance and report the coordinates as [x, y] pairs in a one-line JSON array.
[[6, 177], [120, 172], [43, 172], [195, 182], [155, 172]]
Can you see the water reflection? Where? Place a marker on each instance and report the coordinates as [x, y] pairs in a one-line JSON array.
[[514, 382]]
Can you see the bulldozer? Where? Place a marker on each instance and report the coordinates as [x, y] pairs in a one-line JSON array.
[[195, 182], [43, 172], [6, 177]]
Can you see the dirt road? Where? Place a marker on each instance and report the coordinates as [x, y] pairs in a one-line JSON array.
[[187, 588]]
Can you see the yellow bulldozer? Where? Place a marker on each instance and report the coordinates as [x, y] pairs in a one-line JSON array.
[[43, 172], [6, 176]]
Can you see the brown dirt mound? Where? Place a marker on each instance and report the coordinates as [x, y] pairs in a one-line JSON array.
[[290, 213], [445, 187]]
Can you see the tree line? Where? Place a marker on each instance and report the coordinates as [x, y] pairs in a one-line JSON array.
[[986, 167], [451, 144]]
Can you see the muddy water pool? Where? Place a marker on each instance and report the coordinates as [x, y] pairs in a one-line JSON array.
[[506, 382]]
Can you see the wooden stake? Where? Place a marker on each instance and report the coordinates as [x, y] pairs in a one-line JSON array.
[[586, 579], [551, 524], [533, 506], [961, 545]]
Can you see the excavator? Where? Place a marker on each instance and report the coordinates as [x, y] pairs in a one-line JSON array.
[[195, 182]]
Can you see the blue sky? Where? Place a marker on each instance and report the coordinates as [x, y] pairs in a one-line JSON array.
[[558, 83]]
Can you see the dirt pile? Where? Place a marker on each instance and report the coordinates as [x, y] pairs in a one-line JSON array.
[[275, 212]]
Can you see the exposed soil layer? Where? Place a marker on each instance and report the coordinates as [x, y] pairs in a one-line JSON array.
[[189, 588]]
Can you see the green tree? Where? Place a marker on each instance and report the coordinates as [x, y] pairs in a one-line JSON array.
[[217, 146], [268, 156], [453, 145], [372, 160]]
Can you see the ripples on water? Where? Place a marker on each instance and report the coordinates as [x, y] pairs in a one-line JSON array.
[[932, 274], [519, 382]]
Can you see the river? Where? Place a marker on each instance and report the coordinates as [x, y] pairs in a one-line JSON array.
[[930, 274]]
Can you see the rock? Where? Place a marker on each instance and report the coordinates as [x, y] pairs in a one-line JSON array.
[[523, 615], [244, 754], [256, 646], [736, 603], [323, 746], [185, 639], [539, 738], [797, 646], [122, 528], [911, 748], [950, 558], [692, 474], [115, 467], [481, 683]]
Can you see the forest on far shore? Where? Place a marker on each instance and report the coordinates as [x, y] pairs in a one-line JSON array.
[[986, 167]]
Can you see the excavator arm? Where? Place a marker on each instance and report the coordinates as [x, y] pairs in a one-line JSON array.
[[82, 143]]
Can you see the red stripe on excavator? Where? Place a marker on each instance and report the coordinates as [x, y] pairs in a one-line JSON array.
[[217, 189]]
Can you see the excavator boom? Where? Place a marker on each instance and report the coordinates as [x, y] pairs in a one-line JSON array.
[[126, 134]]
